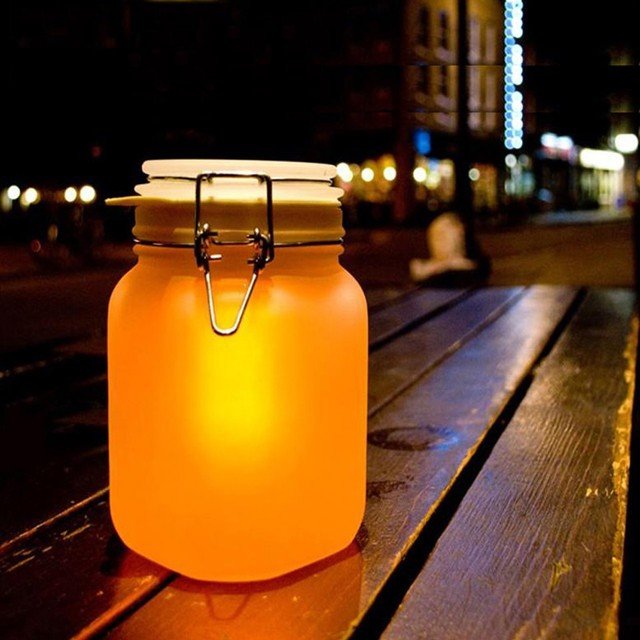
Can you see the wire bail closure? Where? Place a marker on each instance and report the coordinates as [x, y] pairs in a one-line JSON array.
[[205, 239]]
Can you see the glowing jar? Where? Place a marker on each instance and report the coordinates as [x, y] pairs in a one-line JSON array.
[[242, 456]]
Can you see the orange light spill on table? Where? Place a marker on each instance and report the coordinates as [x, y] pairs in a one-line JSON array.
[[241, 457]]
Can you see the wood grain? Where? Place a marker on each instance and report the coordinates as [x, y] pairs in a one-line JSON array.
[[399, 364], [54, 442], [69, 574], [409, 311], [53, 455], [535, 549], [67, 589], [418, 445]]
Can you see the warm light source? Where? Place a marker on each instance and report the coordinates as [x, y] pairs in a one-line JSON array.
[[87, 194], [13, 192], [71, 194], [367, 174], [237, 420], [433, 180], [389, 173], [30, 196], [6, 204], [344, 172], [419, 174], [474, 174], [601, 159], [626, 142], [446, 168]]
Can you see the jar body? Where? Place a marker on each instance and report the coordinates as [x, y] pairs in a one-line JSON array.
[[241, 457]]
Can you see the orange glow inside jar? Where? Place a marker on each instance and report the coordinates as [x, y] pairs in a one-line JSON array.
[[237, 457]]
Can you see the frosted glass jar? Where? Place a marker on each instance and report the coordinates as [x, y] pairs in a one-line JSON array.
[[237, 457]]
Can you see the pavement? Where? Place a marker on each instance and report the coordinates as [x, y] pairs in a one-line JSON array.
[[17, 261], [584, 247], [593, 249], [40, 303], [583, 216]]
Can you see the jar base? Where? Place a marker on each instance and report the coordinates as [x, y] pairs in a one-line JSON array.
[[215, 575]]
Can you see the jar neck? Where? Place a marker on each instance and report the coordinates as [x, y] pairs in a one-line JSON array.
[[313, 260], [173, 222]]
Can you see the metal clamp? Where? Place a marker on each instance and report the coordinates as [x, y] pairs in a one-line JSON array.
[[204, 238]]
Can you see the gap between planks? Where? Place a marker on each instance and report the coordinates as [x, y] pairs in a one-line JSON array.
[[386, 602], [553, 538], [571, 304], [128, 606]]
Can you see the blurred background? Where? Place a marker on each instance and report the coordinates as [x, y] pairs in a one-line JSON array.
[[532, 141]]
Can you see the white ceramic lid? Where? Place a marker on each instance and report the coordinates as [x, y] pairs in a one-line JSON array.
[[306, 206], [164, 181], [273, 168]]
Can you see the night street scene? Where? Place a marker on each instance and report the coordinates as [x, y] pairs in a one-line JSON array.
[[209, 429]]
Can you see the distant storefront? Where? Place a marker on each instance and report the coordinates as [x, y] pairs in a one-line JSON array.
[[561, 175], [594, 178], [370, 188]]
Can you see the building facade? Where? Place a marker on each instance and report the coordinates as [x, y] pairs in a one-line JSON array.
[[369, 83], [402, 107]]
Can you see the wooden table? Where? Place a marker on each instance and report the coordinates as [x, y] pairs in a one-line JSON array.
[[497, 490]]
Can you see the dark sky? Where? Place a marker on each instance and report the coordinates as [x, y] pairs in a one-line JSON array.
[[94, 85], [564, 30], [583, 66], [87, 89]]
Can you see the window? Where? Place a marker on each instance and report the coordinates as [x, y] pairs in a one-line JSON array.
[[422, 34], [443, 30], [474, 88], [490, 120], [423, 78], [490, 44], [443, 80], [475, 120], [490, 91], [474, 40], [490, 100]]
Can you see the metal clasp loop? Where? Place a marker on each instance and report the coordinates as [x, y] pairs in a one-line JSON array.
[[204, 238]]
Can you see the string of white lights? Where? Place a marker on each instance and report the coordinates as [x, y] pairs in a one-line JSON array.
[[513, 77]]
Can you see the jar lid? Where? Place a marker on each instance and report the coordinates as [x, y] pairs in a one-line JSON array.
[[293, 181], [305, 203], [273, 168]]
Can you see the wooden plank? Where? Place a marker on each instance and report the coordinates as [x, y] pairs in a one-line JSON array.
[[408, 312], [54, 442], [46, 374], [418, 445], [395, 367], [52, 458], [30, 574], [64, 566], [79, 308], [378, 297], [535, 548]]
